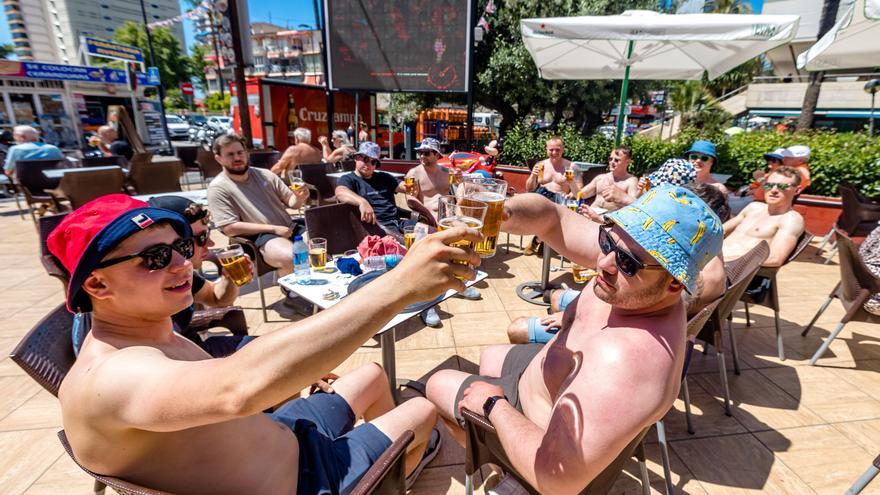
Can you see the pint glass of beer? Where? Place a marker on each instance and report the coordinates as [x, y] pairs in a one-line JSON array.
[[569, 175], [464, 212], [296, 179], [318, 253], [581, 275], [409, 236], [409, 184], [492, 192], [233, 261]]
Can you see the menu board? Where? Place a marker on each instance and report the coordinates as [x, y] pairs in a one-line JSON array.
[[399, 45]]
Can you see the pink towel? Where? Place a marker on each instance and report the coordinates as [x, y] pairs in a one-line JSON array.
[[373, 245]]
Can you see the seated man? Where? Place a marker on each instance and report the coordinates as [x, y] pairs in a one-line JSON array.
[[372, 191], [251, 202], [28, 147], [563, 411], [617, 188], [431, 180], [301, 152], [774, 221], [109, 143], [702, 156], [774, 160], [147, 405], [217, 294]]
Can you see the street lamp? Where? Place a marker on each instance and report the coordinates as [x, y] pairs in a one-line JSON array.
[[872, 87]]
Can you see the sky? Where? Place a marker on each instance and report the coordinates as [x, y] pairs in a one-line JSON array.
[[288, 13]]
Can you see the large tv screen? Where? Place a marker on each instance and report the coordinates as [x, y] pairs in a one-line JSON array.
[[399, 45]]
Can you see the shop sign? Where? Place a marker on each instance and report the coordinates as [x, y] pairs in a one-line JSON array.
[[108, 49]]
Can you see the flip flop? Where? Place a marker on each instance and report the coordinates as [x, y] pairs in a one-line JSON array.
[[434, 443]]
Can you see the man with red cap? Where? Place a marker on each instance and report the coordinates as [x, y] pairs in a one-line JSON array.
[[147, 405]]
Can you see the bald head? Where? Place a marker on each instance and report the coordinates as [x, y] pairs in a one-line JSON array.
[[107, 133]]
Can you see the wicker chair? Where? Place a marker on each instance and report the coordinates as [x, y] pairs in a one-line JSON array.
[[315, 175], [858, 216], [857, 284], [263, 159], [188, 156], [52, 265], [424, 213], [30, 180], [772, 298], [153, 178], [209, 165], [103, 161], [84, 185]]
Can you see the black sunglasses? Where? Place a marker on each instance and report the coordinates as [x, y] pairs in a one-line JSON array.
[[424, 153], [702, 158], [156, 257], [628, 263], [201, 240], [782, 186]]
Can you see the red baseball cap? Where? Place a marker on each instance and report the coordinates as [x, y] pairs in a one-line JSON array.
[[94, 229]]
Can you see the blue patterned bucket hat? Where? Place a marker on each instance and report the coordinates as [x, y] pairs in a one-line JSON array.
[[675, 227], [674, 171], [369, 149]]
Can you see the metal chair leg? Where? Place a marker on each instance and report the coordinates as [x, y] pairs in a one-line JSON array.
[[18, 205], [722, 369], [864, 479], [824, 346], [99, 488], [818, 314], [643, 468], [734, 352], [825, 239], [779, 347], [830, 255], [664, 455], [262, 296], [687, 406], [468, 484], [748, 318]]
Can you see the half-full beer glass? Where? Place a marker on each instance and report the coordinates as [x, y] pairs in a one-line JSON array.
[[232, 260], [461, 212], [318, 253], [492, 192], [296, 179]]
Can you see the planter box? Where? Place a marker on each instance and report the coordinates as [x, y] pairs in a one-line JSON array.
[[819, 212]]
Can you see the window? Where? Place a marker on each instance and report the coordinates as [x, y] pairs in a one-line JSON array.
[[108, 18]]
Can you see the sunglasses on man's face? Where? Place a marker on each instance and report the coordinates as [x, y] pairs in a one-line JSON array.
[[697, 157], [363, 158], [628, 263], [202, 239], [423, 153], [157, 257], [782, 186], [773, 160]]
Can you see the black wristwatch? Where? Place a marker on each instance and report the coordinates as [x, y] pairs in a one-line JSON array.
[[490, 403]]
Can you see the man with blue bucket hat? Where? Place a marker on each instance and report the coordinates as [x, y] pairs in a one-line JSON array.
[[563, 411], [702, 156]]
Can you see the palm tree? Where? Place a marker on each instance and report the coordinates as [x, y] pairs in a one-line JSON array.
[[811, 96]]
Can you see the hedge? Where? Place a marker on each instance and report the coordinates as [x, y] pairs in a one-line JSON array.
[[836, 157]]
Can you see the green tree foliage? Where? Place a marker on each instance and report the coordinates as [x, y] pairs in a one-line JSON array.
[[174, 99], [217, 104], [174, 65], [697, 106], [199, 64], [6, 50]]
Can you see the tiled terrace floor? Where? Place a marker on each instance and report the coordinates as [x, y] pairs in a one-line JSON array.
[[795, 429]]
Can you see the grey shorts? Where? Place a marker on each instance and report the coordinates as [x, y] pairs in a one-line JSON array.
[[515, 364]]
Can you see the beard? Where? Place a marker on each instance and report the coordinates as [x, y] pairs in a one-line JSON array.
[[242, 171], [632, 298]]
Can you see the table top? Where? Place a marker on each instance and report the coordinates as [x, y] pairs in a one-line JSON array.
[[199, 196], [338, 282], [337, 175], [57, 173]]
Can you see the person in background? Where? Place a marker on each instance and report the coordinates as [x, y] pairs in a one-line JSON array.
[[340, 150], [774, 160], [616, 188], [800, 161], [364, 133], [110, 144], [28, 147], [702, 156], [301, 152], [548, 180]]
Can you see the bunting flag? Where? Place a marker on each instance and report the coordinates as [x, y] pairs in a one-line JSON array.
[[484, 23], [197, 12], [490, 9]]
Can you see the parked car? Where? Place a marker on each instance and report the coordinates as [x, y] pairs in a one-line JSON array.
[[196, 119], [220, 121], [178, 128]]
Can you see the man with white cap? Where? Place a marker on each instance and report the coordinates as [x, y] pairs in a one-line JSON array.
[[799, 159], [774, 159], [431, 180]]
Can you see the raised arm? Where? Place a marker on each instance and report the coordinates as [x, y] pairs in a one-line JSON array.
[[145, 389], [568, 233], [791, 226]]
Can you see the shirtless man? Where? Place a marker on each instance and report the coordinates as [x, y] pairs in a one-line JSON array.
[[432, 181], [773, 221], [147, 405], [564, 411], [549, 174], [702, 156], [301, 152], [607, 188]]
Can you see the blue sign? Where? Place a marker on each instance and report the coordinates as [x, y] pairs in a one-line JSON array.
[[153, 76], [148, 79], [108, 49], [82, 73]]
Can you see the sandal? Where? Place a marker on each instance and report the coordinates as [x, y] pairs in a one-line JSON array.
[[434, 443]]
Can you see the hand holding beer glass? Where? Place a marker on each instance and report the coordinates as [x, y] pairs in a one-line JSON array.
[[461, 212], [296, 179], [492, 192], [235, 264]]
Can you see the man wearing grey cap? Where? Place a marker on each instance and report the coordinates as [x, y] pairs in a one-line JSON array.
[[371, 191]]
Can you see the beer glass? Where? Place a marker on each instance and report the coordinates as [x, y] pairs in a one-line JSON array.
[[409, 184], [572, 204], [296, 179], [581, 274], [569, 175], [492, 192], [233, 261], [461, 212], [318, 253], [409, 236]]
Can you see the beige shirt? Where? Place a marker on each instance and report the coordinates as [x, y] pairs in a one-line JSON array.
[[259, 199]]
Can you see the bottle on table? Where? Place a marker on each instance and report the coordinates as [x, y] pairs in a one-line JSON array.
[[301, 271]]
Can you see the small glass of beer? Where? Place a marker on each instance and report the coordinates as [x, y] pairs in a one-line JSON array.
[[409, 183], [233, 262], [572, 204], [461, 212], [409, 236], [581, 274], [569, 175], [296, 179], [492, 192], [318, 253]]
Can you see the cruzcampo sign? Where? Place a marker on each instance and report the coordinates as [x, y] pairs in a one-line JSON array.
[[108, 49]]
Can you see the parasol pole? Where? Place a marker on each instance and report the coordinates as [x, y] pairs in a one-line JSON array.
[[624, 88]]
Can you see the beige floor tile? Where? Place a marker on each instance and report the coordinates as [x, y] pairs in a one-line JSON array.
[[40, 411], [480, 328], [707, 415], [823, 392], [63, 476], [737, 464], [489, 301], [630, 480], [9, 368], [821, 456], [15, 391], [413, 334], [25, 455], [469, 358], [865, 433], [758, 403], [440, 480], [420, 364]]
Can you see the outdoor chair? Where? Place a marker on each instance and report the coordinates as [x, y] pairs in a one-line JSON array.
[[347, 165], [771, 298], [82, 186], [11, 189], [865, 478], [856, 286], [341, 225], [51, 263], [483, 447], [209, 165], [858, 216], [260, 267], [104, 161], [263, 159], [152, 178], [385, 477], [315, 177], [35, 186], [46, 352], [187, 155], [740, 273]]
